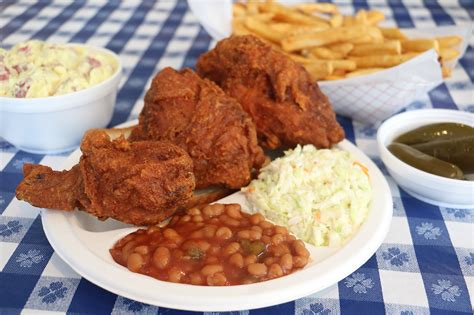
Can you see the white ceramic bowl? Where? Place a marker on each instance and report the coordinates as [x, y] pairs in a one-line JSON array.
[[54, 124], [437, 190]]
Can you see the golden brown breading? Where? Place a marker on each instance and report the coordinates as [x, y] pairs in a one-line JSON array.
[[287, 107], [141, 183], [198, 116]]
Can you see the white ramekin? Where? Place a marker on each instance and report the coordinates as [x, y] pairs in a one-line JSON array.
[[437, 190], [55, 124]]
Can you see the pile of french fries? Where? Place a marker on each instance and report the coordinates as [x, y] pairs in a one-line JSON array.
[[332, 46]]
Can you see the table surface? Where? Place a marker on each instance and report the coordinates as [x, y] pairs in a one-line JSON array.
[[425, 265]]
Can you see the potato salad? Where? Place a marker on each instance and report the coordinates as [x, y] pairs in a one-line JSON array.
[[39, 69]]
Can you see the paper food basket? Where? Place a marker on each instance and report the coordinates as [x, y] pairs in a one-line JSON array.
[[368, 99]]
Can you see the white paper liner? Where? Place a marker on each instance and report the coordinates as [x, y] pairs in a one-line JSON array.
[[370, 98]]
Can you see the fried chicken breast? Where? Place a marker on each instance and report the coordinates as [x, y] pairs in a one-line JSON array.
[[199, 117], [288, 108], [141, 183]]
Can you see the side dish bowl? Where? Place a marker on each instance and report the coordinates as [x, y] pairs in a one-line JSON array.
[[54, 124], [430, 188]]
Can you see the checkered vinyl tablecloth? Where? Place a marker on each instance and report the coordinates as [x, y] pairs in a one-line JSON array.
[[425, 265]]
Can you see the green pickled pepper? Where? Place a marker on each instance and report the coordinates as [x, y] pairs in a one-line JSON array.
[[425, 162], [439, 131], [458, 151]]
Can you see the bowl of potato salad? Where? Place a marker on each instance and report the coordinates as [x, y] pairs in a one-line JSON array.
[[50, 94]]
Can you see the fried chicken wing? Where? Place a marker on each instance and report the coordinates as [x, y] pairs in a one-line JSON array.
[[141, 183], [198, 116], [288, 108]]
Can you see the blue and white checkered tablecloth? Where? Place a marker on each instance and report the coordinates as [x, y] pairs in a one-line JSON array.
[[425, 265]]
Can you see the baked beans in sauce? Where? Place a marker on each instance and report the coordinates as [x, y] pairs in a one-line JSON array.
[[214, 245]]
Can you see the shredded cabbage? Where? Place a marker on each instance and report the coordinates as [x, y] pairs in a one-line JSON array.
[[321, 196]]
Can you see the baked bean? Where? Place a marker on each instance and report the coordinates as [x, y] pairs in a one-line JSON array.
[[152, 229], [171, 234], [279, 250], [266, 239], [209, 230], [142, 250], [203, 245], [161, 257], [230, 249], [233, 211], [214, 250], [286, 262], [256, 228], [177, 254], [135, 262], [229, 221], [299, 248], [185, 218], [256, 218], [269, 261], [277, 239], [255, 235], [281, 230], [237, 260], [257, 269], [265, 224], [291, 237], [268, 232], [175, 274], [194, 211], [244, 234], [224, 233], [211, 269], [217, 279], [174, 220], [196, 278], [197, 218], [213, 210], [127, 249], [300, 261], [250, 259], [275, 271]]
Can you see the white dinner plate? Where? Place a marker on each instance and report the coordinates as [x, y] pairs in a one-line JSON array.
[[83, 242]]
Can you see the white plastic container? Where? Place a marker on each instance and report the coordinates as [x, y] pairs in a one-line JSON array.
[[437, 190], [54, 124]]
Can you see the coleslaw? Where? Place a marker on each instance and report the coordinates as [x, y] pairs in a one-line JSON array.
[[321, 196]]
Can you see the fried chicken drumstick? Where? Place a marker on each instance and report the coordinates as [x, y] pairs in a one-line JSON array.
[[141, 183], [199, 117], [287, 107]]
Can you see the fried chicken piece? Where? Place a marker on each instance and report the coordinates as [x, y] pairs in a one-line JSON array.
[[287, 107], [198, 116], [141, 183]]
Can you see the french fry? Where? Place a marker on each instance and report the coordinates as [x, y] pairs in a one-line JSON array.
[[319, 69], [381, 61], [339, 72], [343, 64], [360, 40], [392, 47], [333, 77], [446, 71], [361, 17], [238, 10], [343, 48], [419, 45], [328, 36], [349, 20], [448, 41], [238, 28], [260, 28], [360, 72], [336, 20], [317, 7], [448, 53], [252, 7], [376, 34], [292, 16], [325, 53], [392, 33], [374, 17], [264, 17]]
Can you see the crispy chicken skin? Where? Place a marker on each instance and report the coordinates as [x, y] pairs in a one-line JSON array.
[[141, 183], [287, 107], [198, 116]]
